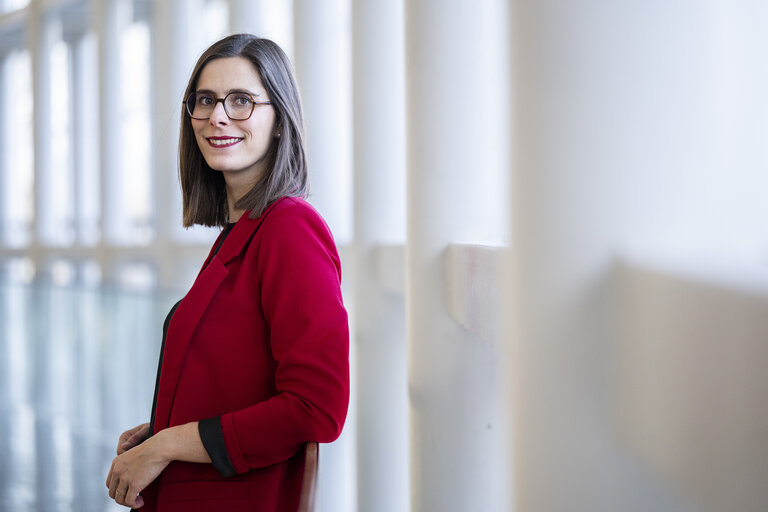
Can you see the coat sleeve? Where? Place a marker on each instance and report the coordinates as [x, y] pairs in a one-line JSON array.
[[298, 280]]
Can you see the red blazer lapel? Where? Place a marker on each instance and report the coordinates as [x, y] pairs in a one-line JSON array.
[[192, 307], [241, 234], [180, 330]]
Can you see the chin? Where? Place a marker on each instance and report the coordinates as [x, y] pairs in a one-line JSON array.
[[221, 166]]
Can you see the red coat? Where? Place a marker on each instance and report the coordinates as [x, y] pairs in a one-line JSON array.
[[261, 339]]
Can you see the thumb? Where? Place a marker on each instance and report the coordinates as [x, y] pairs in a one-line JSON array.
[[135, 437]]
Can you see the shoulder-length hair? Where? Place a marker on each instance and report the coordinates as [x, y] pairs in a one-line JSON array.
[[203, 189]]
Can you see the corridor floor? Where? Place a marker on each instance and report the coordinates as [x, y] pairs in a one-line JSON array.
[[77, 368]]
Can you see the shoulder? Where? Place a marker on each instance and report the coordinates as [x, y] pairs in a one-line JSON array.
[[291, 206], [291, 215], [294, 235]]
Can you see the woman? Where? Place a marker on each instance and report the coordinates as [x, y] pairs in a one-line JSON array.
[[255, 358]]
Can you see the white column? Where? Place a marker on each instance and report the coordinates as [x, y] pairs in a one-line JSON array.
[[111, 16], [271, 19], [83, 90], [457, 76], [4, 145], [321, 57], [175, 48], [40, 34], [379, 207], [76, 118], [80, 103], [248, 16], [322, 65]]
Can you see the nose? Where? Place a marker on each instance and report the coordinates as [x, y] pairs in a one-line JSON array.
[[219, 115]]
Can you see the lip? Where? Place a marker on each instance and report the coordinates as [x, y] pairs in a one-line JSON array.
[[223, 142]]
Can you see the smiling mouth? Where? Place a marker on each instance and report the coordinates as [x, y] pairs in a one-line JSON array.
[[223, 142]]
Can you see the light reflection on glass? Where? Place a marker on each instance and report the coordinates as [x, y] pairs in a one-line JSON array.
[[17, 464], [77, 367]]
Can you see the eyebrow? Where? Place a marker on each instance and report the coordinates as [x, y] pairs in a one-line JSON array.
[[228, 91]]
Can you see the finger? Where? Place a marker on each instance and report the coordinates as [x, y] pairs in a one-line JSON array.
[[139, 428], [109, 475], [124, 447], [135, 438], [142, 432], [121, 449], [125, 435], [113, 489], [121, 494], [126, 444], [132, 497], [113, 480]]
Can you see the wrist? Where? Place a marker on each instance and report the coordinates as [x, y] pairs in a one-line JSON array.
[[162, 444], [181, 442]]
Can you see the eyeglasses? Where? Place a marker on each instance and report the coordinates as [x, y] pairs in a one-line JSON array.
[[237, 105]]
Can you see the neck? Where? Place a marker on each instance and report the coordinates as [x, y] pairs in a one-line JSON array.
[[234, 215], [236, 188]]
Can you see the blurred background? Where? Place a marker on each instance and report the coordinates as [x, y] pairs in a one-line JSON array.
[[553, 224]]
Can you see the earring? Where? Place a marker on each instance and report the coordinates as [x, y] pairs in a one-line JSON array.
[[277, 135]]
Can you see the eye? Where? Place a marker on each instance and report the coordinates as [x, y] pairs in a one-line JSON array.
[[204, 100], [240, 100]]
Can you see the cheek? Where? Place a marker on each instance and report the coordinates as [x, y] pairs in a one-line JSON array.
[[198, 137], [263, 128]]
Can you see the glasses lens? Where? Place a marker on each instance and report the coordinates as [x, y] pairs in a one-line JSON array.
[[200, 105], [238, 105]]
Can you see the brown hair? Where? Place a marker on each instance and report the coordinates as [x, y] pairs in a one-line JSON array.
[[203, 189]]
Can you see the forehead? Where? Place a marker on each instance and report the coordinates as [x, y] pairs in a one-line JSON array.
[[230, 73]]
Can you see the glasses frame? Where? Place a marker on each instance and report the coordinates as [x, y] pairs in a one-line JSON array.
[[224, 104]]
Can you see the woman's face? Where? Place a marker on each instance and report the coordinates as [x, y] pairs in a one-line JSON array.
[[236, 148]]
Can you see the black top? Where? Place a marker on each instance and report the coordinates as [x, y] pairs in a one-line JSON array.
[[210, 428]]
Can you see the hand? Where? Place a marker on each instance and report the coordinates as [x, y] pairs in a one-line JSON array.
[[133, 437], [133, 470]]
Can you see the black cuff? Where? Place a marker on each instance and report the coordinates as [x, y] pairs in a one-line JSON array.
[[213, 441]]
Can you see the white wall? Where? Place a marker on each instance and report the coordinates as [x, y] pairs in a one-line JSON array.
[[691, 380], [620, 115]]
